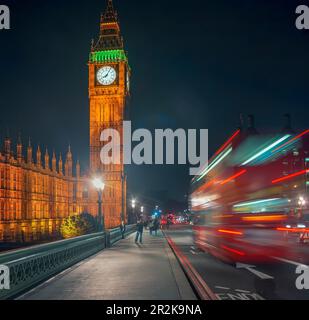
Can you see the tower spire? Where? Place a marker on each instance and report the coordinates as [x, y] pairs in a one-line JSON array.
[[110, 37], [110, 15], [60, 165], [29, 152], [39, 157], [19, 149], [54, 162], [68, 163], [46, 159], [77, 169]]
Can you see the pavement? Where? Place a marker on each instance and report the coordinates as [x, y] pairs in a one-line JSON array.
[[148, 271]]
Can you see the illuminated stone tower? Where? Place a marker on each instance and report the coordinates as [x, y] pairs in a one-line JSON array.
[[109, 76]]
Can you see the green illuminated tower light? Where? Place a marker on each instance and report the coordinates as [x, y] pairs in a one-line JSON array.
[[108, 56]]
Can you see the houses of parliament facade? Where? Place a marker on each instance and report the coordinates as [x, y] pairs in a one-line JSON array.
[[37, 189]]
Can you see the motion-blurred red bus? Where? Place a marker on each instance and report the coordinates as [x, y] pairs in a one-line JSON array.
[[250, 202]]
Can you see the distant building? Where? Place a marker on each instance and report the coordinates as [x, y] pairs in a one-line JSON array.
[[35, 196]]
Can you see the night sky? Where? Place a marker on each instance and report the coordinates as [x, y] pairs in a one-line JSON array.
[[196, 64]]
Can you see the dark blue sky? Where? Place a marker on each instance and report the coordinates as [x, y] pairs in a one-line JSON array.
[[196, 64]]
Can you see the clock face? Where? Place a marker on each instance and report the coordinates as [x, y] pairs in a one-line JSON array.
[[106, 75]]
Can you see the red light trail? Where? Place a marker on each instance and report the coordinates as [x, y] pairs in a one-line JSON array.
[[238, 233], [290, 141], [228, 142], [240, 253], [294, 230], [234, 176], [290, 176]]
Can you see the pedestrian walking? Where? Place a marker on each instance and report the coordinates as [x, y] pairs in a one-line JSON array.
[[151, 227], [156, 226], [169, 222], [122, 229], [139, 231]]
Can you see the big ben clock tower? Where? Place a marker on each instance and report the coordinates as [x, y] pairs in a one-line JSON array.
[[109, 76]]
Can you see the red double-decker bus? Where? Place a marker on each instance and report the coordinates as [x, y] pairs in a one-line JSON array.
[[250, 203]]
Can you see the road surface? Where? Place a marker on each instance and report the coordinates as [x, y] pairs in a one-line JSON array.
[[242, 282]]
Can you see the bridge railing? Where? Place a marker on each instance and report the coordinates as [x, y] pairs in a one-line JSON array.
[[115, 235], [31, 266]]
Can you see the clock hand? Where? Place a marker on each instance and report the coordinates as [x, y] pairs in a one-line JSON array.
[[109, 71]]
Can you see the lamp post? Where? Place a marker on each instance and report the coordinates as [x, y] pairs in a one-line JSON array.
[[133, 203], [99, 185], [142, 213], [122, 216], [302, 204]]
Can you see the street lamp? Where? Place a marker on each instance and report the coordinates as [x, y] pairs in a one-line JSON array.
[[133, 203], [142, 209], [301, 201], [99, 185]]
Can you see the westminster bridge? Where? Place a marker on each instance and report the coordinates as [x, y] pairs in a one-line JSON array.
[[166, 266], [101, 266]]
